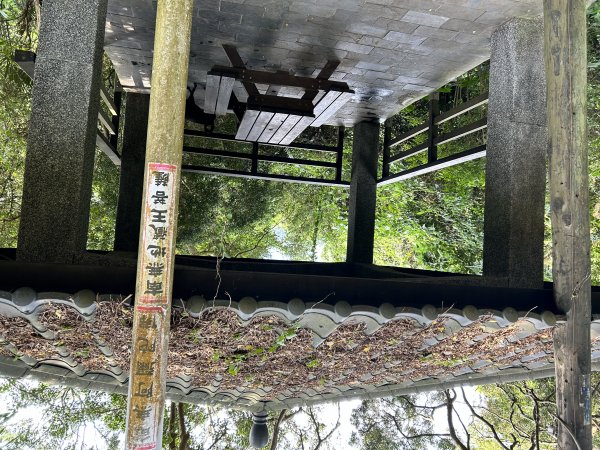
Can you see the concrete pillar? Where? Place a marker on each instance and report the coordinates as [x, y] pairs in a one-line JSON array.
[[62, 129], [134, 114], [516, 154], [363, 193]]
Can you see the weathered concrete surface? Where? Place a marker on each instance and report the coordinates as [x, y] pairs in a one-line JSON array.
[[516, 154], [131, 185], [363, 193], [61, 142], [392, 51]]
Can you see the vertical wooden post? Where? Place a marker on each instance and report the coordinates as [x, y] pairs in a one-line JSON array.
[[339, 157], [156, 254], [434, 111], [387, 137], [363, 193], [566, 64]]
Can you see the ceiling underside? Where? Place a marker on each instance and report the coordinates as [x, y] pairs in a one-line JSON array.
[[392, 52]]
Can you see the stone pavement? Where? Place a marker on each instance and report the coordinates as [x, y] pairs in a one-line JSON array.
[[392, 52]]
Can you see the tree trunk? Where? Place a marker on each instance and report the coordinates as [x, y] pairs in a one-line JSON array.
[[566, 64]]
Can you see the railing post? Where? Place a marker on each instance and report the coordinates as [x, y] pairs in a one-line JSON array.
[[117, 100], [387, 137], [363, 193], [254, 167], [339, 157], [434, 111]]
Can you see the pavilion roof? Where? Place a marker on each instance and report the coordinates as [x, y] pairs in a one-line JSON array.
[[248, 354]]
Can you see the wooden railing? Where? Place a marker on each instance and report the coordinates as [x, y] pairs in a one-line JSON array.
[[432, 141], [256, 157]]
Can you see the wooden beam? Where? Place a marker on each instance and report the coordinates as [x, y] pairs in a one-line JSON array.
[[409, 134], [264, 176], [274, 125], [410, 152], [225, 89], [104, 145], [462, 108], [342, 99], [448, 161], [104, 95], [156, 254], [279, 78], [211, 93], [26, 61], [565, 53], [458, 133], [106, 122], [259, 126], [246, 124]]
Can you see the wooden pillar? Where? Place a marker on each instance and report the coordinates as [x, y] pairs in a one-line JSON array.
[[363, 193], [62, 132], [566, 64], [134, 115], [156, 255]]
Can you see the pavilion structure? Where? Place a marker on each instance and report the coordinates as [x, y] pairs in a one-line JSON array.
[[282, 66]]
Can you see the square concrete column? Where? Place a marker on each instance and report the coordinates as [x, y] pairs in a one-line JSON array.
[[134, 115], [363, 193], [62, 129], [516, 155]]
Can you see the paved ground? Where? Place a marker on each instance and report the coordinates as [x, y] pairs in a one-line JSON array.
[[392, 52]]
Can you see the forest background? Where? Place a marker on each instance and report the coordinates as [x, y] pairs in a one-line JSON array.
[[430, 222]]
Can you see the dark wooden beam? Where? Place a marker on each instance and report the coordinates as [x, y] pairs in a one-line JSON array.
[[263, 176], [105, 147], [463, 131], [462, 108], [453, 160], [282, 281], [279, 78]]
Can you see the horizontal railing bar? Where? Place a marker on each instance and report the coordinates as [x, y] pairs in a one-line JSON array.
[[104, 145], [461, 132], [216, 152], [462, 108], [266, 158], [305, 162], [108, 101], [106, 122], [458, 158], [409, 134], [263, 176], [413, 151], [231, 137]]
